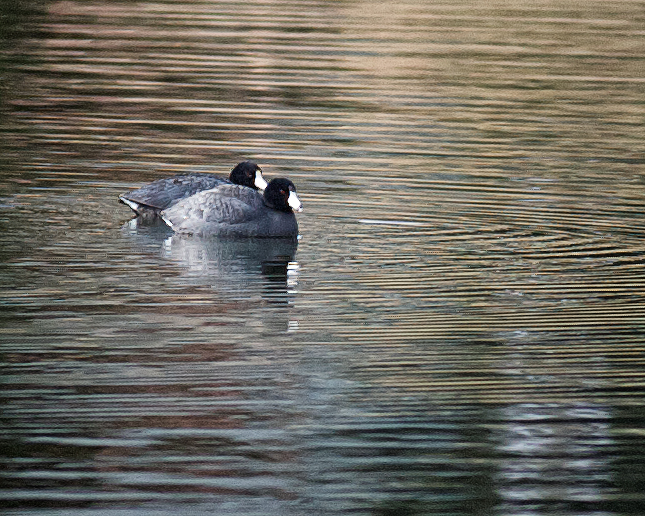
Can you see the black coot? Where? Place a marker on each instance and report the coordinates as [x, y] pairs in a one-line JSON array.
[[233, 210], [159, 195]]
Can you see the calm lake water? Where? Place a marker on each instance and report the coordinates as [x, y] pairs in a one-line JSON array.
[[460, 329]]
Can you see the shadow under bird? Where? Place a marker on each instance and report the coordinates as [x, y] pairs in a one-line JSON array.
[[149, 200], [234, 210]]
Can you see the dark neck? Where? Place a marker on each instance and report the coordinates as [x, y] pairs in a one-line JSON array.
[[269, 204]]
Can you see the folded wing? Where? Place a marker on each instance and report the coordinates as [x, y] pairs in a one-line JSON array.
[[225, 204], [163, 193]]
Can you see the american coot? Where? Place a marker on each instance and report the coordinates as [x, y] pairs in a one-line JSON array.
[[232, 210], [159, 195]]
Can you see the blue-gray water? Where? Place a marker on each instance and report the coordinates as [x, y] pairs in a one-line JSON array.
[[460, 330]]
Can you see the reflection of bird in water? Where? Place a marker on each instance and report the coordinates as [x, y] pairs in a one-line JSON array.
[[233, 263], [216, 256], [159, 195], [228, 264], [282, 279]]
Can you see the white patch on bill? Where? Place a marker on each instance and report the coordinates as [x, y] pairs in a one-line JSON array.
[[294, 202]]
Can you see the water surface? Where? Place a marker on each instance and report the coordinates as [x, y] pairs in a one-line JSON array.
[[459, 329]]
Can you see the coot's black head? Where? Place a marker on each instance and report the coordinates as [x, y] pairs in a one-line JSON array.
[[281, 195], [248, 174]]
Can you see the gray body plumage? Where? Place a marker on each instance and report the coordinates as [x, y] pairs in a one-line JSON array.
[[229, 210], [163, 193]]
